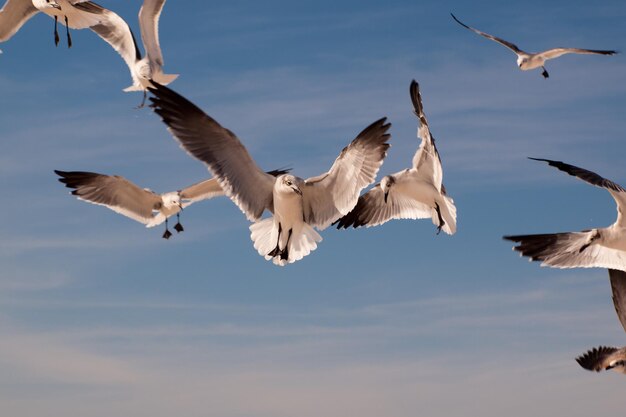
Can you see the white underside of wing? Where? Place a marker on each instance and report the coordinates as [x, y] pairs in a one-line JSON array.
[[125, 212], [398, 206], [594, 256]]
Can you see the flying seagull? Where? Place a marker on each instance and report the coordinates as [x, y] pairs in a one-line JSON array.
[[526, 60], [604, 357], [108, 25], [140, 204], [601, 248], [149, 67], [297, 205], [414, 193]]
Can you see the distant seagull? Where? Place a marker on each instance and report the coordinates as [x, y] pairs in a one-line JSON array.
[[297, 205], [414, 193], [600, 248], [527, 61], [140, 204], [603, 357]]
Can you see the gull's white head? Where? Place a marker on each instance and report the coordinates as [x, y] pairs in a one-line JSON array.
[[288, 184], [386, 183], [171, 200], [46, 4]]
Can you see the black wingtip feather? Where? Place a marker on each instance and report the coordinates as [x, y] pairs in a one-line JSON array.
[[592, 359]]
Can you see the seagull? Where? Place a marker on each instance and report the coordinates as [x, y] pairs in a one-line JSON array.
[[298, 205], [78, 14], [413, 193], [526, 60], [604, 357], [600, 248], [140, 204]]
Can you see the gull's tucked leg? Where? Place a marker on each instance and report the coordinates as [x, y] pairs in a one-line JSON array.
[[143, 102], [56, 31], [67, 31], [167, 234], [178, 227], [276, 251], [284, 255], [441, 221]]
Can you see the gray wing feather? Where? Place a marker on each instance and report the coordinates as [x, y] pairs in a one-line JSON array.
[[426, 160], [509, 45], [149, 24], [112, 191], [115, 31], [223, 153], [13, 15]]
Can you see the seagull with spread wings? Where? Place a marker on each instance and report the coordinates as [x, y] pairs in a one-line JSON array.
[[298, 205], [140, 204], [601, 248], [604, 358], [414, 193], [526, 60]]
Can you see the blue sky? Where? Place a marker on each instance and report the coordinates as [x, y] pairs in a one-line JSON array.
[[100, 316]]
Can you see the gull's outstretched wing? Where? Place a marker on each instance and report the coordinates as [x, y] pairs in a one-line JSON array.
[[597, 359], [509, 45], [333, 194], [618, 287], [616, 190], [13, 15], [149, 24], [557, 52], [114, 192], [116, 32], [426, 160], [569, 250], [223, 153], [372, 210]]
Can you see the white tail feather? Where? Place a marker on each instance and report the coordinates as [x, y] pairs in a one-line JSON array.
[[303, 240]]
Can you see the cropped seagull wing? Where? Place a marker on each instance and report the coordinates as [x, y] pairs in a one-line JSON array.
[[331, 195], [616, 190], [372, 210], [618, 286], [114, 192], [13, 15], [115, 31], [596, 359], [568, 250], [149, 24], [223, 153], [426, 160], [509, 45], [557, 52]]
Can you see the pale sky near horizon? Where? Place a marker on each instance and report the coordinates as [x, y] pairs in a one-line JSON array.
[[99, 316]]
